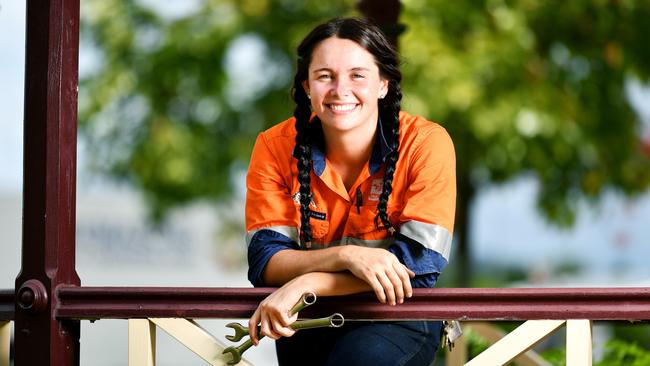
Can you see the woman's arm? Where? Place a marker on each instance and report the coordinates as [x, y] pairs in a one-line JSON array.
[[272, 313], [378, 268]]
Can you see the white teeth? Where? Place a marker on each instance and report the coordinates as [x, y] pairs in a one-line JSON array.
[[342, 107]]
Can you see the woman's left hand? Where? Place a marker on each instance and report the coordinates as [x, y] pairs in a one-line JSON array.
[[273, 312]]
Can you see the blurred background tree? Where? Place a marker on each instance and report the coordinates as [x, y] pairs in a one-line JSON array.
[[172, 104]]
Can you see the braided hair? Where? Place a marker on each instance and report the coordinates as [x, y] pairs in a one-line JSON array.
[[372, 40]]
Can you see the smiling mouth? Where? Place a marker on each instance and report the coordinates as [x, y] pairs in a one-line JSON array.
[[342, 107]]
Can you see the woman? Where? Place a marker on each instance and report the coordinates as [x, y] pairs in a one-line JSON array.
[[349, 195]]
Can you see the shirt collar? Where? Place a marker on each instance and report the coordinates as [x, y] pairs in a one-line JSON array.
[[380, 149]]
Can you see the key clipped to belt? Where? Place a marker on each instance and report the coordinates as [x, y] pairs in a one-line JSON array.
[[452, 332]]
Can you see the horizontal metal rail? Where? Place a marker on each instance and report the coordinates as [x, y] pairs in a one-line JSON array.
[[440, 303], [7, 307]]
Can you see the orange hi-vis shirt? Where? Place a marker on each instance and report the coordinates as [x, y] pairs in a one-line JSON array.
[[421, 206]]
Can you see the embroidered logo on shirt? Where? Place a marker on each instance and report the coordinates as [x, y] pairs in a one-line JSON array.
[[375, 189], [317, 215]]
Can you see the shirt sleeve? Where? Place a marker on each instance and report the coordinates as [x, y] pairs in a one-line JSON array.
[[424, 262], [268, 193], [427, 220], [263, 245], [270, 210]]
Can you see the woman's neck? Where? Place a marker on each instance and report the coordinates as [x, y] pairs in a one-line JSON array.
[[349, 151]]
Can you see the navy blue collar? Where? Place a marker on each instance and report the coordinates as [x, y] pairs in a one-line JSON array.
[[380, 149]]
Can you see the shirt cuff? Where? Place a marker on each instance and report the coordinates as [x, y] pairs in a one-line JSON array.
[[263, 245], [427, 264]]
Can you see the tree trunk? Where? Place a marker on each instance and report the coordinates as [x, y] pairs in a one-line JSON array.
[[385, 14], [462, 262]]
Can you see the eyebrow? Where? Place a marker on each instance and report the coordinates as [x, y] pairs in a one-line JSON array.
[[352, 69]]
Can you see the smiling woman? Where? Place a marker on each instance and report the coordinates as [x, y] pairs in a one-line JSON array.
[[349, 195]]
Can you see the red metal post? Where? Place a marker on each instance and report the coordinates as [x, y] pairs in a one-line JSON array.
[[50, 139]]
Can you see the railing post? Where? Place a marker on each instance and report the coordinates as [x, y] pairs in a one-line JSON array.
[[520, 340], [196, 339], [578, 343], [49, 176], [5, 342], [142, 342]]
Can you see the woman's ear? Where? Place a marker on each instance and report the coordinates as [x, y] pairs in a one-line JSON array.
[[305, 86], [383, 88]]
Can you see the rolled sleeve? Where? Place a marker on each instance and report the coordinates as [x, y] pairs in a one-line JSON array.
[[427, 264], [263, 245]]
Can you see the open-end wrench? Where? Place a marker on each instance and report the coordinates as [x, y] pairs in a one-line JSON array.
[[335, 320], [307, 299]]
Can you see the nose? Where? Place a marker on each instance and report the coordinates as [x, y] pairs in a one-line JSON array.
[[341, 87]]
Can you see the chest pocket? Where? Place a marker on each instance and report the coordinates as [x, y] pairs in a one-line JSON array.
[[361, 223], [319, 228]]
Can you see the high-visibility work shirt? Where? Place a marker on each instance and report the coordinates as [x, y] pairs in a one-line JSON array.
[[421, 206]]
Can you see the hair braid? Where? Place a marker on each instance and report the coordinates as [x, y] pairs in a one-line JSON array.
[[302, 113], [389, 108]]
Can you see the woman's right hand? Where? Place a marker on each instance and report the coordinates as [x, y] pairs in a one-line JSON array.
[[389, 279], [273, 313]]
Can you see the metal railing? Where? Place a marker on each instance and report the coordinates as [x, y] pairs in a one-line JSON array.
[[544, 309]]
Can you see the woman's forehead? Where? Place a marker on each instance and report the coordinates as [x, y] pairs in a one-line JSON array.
[[341, 55]]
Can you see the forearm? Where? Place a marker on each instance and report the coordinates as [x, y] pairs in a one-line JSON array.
[[331, 283], [289, 264]]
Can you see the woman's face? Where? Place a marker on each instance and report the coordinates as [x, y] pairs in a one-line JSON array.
[[344, 85]]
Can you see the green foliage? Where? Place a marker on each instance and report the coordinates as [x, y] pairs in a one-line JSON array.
[[556, 356], [617, 352], [623, 353], [521, 86], [164, 108]]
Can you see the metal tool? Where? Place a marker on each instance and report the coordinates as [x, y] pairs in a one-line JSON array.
[[307, 299], [334, 321]]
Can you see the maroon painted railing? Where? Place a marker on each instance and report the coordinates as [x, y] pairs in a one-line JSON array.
[[443, 303]]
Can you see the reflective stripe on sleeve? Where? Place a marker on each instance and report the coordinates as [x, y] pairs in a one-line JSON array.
[[289, 231], [432, 236], [348, 240]]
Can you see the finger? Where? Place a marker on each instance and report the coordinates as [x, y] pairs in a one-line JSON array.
[[252, 326], [404, 275], [282, 322], [377, 288], [388, 287], [283, 331], [408, 270], [398, 285], [267, 327]]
